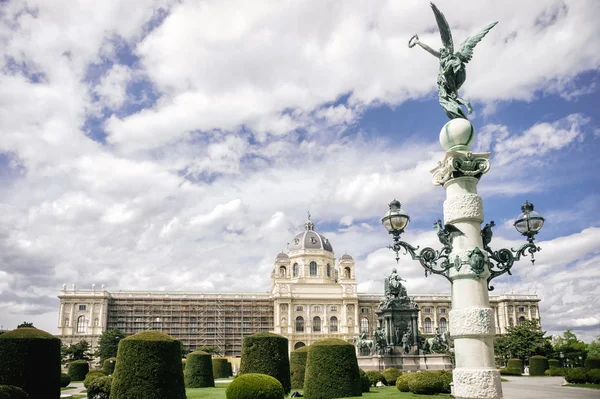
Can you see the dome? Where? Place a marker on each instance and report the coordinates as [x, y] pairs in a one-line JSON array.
[[346, 256], [282, 255], [310, 239]]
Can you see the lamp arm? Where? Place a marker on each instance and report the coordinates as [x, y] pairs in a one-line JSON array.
[[505, 258], [428, 257]]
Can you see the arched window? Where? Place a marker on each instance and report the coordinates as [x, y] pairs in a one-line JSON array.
[[81, 326], [96, 322], [333, 324], [299, 324], [295, 270], [443, 325], [316, 324], [67, 322], [521, 321], [427, 323], [364, 325], [282, 271], [299, 345], [347, 272], [328, 270], [313, 268]]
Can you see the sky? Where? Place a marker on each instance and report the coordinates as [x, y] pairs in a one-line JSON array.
[[178, 145]]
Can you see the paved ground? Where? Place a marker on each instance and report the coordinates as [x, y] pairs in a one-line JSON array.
[[544, 388], [79, 388]]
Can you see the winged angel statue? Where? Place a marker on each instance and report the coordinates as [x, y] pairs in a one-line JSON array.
[[452, 64]]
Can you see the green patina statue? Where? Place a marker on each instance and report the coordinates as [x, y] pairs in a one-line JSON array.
[[452, 65]]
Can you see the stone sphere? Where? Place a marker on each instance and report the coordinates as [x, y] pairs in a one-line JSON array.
[[457, 135]]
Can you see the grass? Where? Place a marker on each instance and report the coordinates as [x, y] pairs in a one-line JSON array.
[[392, 392], [206, 393], [592, 386], [66, 388]]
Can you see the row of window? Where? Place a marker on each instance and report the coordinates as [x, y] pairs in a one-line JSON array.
[[428, 310], [312, 269], [316, 324], [442, 325], [317, 308]]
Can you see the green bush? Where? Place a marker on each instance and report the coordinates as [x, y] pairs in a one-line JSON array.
[[92, 375], [446, 377], [78, 370], [425, 383], [198, 370], [537, 365], [554, 363], [593, 376], [109, 365], [374, 377], [149, 367], [230, 369], [30, 360], [515, 364], [403, 380], [576, 375], [220, 368], [510, 371], [390, 376], [298, 366], [12, 392], [592, 363], [555, 371], [267, 353], [65, 380], [364, 381], [254, 386], [332, 370], [100, 388], [183, 363]]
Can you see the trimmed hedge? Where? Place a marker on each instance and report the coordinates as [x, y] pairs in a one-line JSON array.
[[516, 364], [230, 369], [149, 367], [30, 360], [220, 368], [267, 353], [109, 365], [92, 375], [198, 370], [425, 383], [592, 363], [332, 370], [554, 363], [374, 377], [555, 371], [390, 376], [12, 392], [537, 365], [576, 375], [510, 372], [253, 386], [403, 380], [100, 388], [446, 377], [593, 376], [78, 369], [364, 381], [65, 380], [183, 363], [298, 366]]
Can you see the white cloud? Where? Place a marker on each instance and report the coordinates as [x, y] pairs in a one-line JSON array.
[[112, 89]]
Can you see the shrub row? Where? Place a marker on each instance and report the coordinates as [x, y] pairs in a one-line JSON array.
[[510, 371], [425, 382], [578, 375]]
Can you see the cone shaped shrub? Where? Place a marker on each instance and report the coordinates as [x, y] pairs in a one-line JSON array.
[[109, 365], [267, 353], [220, 368], [149, 367], [592, 363], [78, 369], [30, 359], [255, 386], [298, 366], [332, 370], [198, 370], [537, 365], [515, 364]]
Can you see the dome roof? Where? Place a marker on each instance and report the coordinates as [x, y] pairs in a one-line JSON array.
[[282, 255], [310, 239], [346, 256]]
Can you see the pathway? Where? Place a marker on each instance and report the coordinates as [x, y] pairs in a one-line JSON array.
[[544, 388]]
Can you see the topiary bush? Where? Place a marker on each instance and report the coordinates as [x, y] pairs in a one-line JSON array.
[[298, 367], [390, 376], [364, 381], [30, 360], [230, 369], [593, 376], [332, 370], [198, 370], [554, 363], [403, 380], [510, 372], [446, 377], [267, 353], [537, 365], [12, 392], [515, 364], [254, 386], [149, 367], [555, 371], [374, 377], [220, 368], [78, 370], [65, 380], [100, 388], [92, 375], [592, 363], [425, 383], [576, 375], [109, 365]]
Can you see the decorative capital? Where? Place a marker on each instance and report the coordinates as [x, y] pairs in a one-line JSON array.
[[456, 164]]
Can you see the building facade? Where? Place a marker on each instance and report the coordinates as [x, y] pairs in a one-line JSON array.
[[311, 298]]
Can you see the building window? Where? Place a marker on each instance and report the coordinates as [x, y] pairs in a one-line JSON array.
[[427, 326], [313, 268], [533, 314], [328, 270], [67, 322], [295, 270], [364, 325], [333, 324], [82, 308], [299, 308], [521, 308], [333, 308], [364, 310], [316, 324], [427, 310], [442, 310], [96, 322], [316, 308], [282, 271], [81, 327], [347, 272], [521, 320], [299, 324], [443, 325]]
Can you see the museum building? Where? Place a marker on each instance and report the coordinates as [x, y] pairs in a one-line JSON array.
[[311, 298]]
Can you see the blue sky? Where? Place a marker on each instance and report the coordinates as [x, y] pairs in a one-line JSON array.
[[174, 145]]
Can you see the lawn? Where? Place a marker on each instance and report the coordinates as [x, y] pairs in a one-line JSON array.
[[206, 393], [66, 388]]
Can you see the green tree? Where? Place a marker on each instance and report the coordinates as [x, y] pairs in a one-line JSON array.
[[523, 341], [78, 351], [571, 351], [26, 324], [593, 348], [108, 344]]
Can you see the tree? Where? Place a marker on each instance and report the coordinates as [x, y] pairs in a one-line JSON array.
[[26, 324], [524, 341], [594, 348], [108, 344], [572, 351], [78, 351]]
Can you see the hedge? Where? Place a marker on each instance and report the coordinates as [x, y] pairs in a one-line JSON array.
[[390, 376], [149, 367], [515, 364], [555, 371], [30, 360], [298, 366], [537, 365], [92, 375], [220, 368], [593, 376], [446, 377], [12, 392], [229, 369], [508, 371], [198, 370], [78, 369], [267, 353], [576, 375], [403, 380], [332, 370], [109, 365], [364, 381], [592, 363], [100, 388], [253, 386], [65, 380], [554, 363], [425, 383]]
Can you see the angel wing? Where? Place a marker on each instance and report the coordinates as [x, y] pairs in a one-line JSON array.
[[465, 51], [444, 28]]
